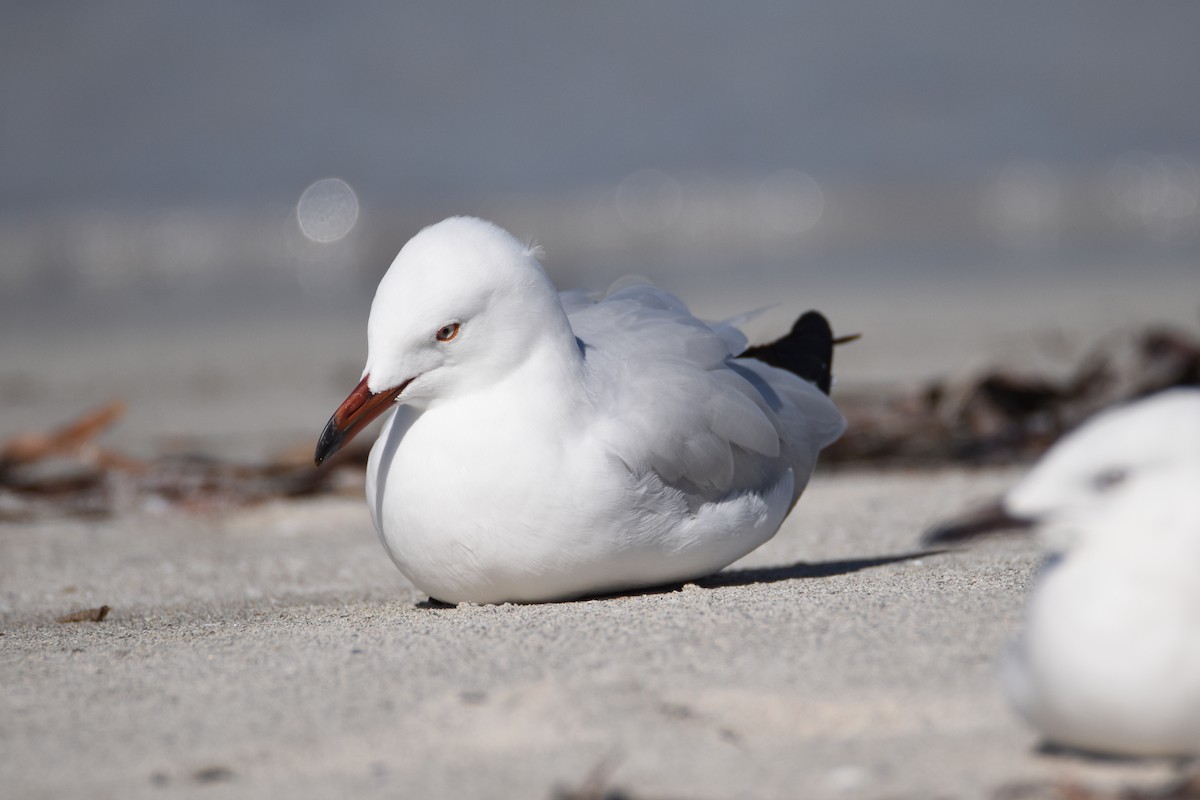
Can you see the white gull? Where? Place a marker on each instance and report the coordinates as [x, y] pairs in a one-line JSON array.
[[548, 446], [1109, 659]]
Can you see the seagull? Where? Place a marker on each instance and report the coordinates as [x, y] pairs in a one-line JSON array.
[[549, 446], [1109, 659]]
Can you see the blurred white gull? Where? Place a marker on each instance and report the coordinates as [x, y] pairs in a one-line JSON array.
[[549, 446], [1109, 660]]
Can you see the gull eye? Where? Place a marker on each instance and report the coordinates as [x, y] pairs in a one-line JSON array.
[[1108, 479], [447, 332]]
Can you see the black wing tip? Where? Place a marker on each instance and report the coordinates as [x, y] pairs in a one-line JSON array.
[[806, 351], [812, 322]]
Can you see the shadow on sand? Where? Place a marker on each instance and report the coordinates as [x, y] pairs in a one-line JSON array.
[[805, 569], [747, 577]]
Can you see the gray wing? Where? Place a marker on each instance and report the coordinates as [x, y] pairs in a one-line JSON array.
[[679, 402]]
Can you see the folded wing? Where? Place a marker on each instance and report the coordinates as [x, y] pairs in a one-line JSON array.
[[677, 400]]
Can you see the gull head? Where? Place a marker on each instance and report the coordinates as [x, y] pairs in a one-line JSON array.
[[1086, 476], [463, 305]]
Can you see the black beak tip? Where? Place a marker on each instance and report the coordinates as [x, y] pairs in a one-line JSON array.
[[329, 442]]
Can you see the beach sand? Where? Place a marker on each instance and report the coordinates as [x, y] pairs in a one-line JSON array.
[[274, 651]]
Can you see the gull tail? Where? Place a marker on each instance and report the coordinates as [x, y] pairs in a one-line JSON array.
[[807, 350]]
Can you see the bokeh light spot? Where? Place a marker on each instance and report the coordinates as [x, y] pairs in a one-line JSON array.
[[790, 202], [328, 210], [649, 201], [1159, 193], [1023, 202]]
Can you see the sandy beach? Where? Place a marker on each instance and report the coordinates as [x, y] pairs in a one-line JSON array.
[[198, 202], [274, 650]]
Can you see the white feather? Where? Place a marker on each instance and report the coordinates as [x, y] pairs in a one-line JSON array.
[[1109, 659], [566, 444]]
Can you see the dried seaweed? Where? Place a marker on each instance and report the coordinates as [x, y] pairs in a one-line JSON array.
[[87, 615], [65, 472], [1004, 415], [70, 439]]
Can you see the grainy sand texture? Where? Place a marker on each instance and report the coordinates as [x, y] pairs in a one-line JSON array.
[[274, 651]]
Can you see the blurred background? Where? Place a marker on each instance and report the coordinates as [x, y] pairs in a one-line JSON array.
[[196, 200]]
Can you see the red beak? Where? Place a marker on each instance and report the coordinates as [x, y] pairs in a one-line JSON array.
[[354, 414]]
